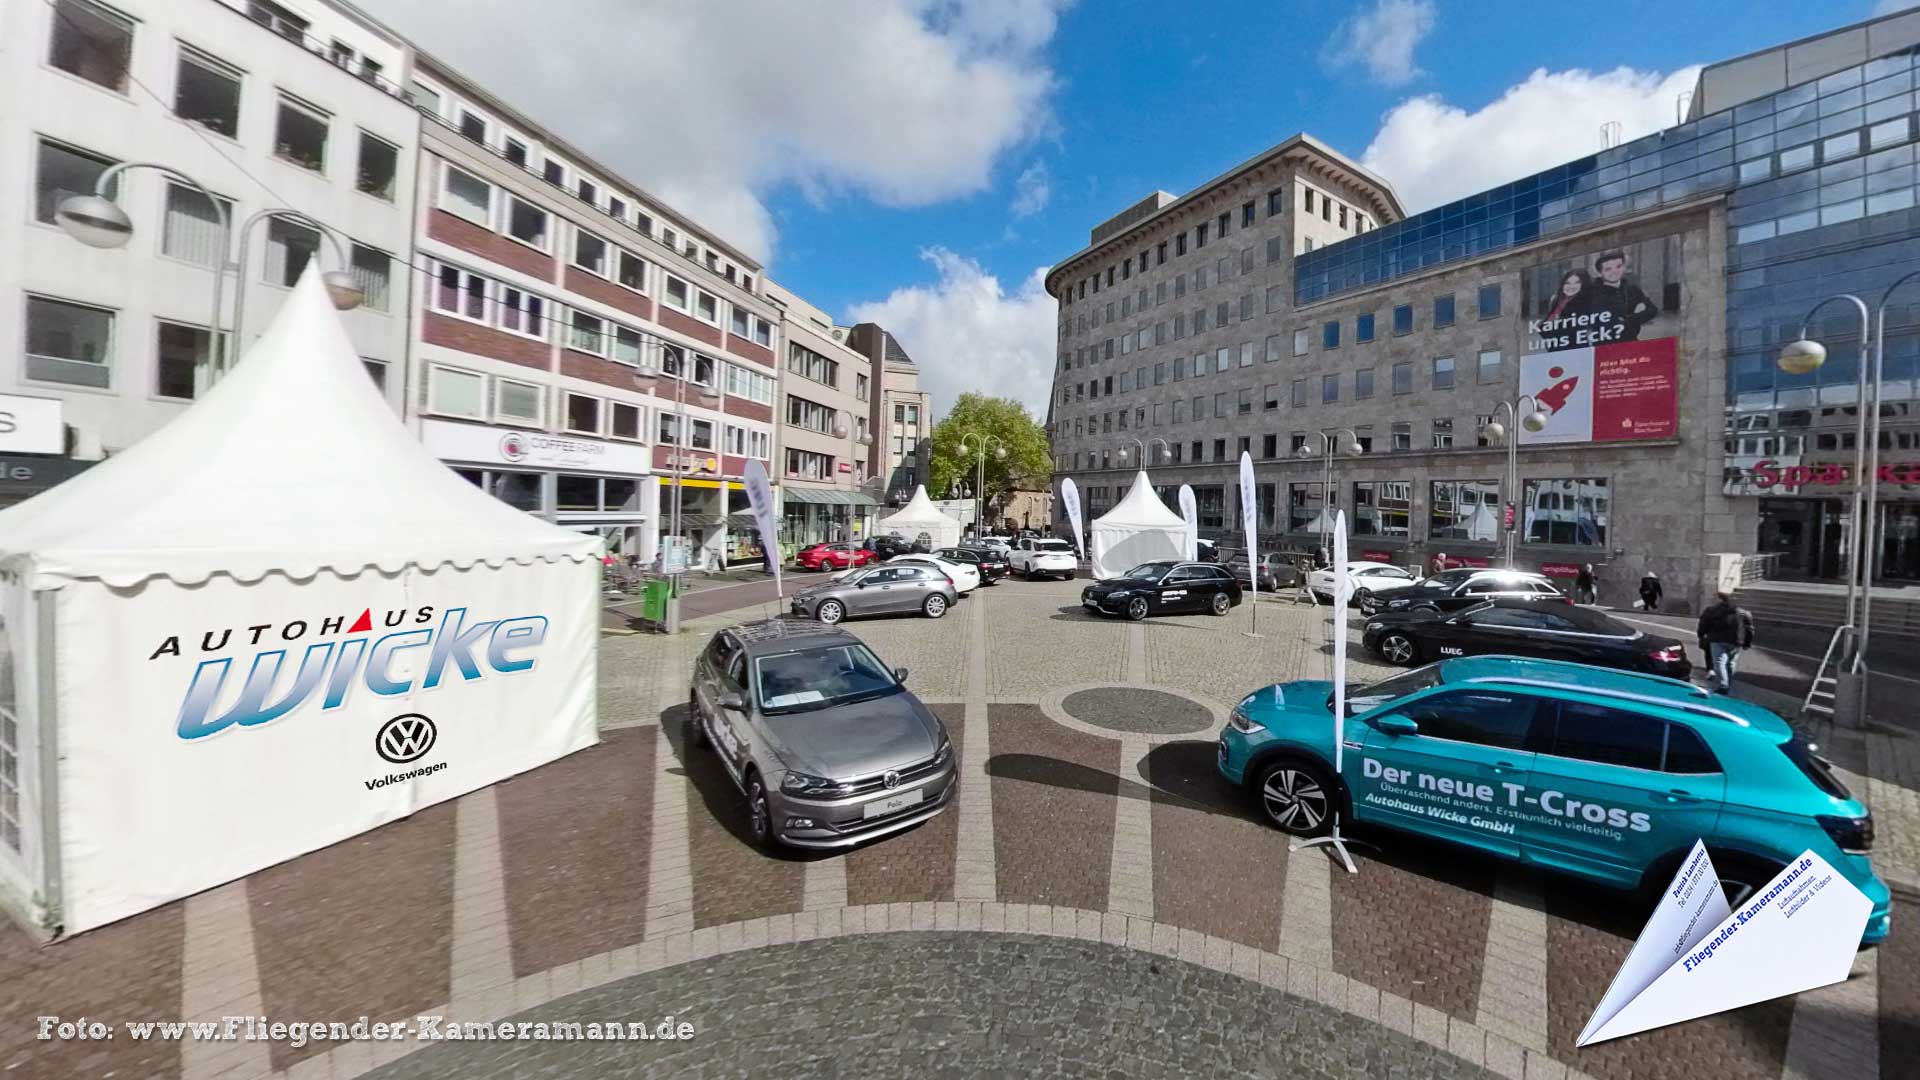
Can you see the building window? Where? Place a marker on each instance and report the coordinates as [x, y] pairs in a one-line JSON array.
[[1363, 384], [1489, 369], [630, 270], [1443, 433], [300, 134], [1464, 510], [1200, 235], [1329, 389], [1403, 377], [379, 166], [1330, 335], [589, 252], [679, 294], [807, 465], [587, 191], [1304, 504], [465, 195], [623, 421], [707, 308], [92, 41], [518, 402], [811, 365], [626, 345], [289, 246], [860, 384], [527, 223], [1443, 310], [377, 371], [1299, 393], [521, 312], [583, 414], [1363, 327], [587, 333], [191, 229], [1443, 373], [62, 172], [1302, 339], [453, 392], [1571, 512], [206, 92], [1402, 435], [556, 174], [810, 415], [1403, 319], [1489, 301], [1211, 501], [180, 352], [1382, 508], [373, 272], [514, 151], [462, 293], [473, 126]]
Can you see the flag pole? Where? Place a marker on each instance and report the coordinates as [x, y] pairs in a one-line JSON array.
[[1337, 630]]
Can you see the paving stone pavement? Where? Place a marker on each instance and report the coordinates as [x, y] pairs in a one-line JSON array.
[[629, 858]]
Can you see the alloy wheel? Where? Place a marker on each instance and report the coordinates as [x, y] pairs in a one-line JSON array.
[[1137, 608], [831, 612], [936, 606], [1397, 648], [1222, 604], [759, 819], [1294, 800]]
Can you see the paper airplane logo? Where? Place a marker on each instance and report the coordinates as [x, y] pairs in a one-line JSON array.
[[1697, 956]]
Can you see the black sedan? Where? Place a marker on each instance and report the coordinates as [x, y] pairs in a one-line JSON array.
[[992, 564], [1455, 590], [1524, 628], [1164, 588]]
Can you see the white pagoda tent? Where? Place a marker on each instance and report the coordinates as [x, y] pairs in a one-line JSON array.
[[921, 516], [1139, 529]]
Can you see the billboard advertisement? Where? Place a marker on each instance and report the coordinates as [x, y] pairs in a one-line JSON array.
[[1604, 297], [1604, 393]]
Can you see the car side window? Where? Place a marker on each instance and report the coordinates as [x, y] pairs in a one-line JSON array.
[[1687, 754], [1484, 717], [1547, 620], [736, 670], [722, 651], [1507, 618], [1608, 736], [908, 573], [1218, 574], [880, 577], [1180, 575]]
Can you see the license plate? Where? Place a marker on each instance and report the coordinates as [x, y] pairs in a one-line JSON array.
[[888, 805], [1090, 604]]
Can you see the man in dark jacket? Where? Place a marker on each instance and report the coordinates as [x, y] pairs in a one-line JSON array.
[[1620, 298], [1725, 629]]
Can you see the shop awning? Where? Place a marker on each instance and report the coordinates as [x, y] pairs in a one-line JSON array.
[[834, 496]]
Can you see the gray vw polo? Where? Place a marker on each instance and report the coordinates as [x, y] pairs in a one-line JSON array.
[[827, 745]]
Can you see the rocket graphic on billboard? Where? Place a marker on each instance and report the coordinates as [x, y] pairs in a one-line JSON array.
[[1604, 393]]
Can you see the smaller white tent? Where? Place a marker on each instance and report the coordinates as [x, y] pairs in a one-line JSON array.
[[1140, 529], [921, 516]]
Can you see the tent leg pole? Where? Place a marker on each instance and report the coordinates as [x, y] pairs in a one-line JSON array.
[[47, 747]]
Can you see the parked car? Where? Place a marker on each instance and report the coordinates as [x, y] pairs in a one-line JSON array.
[[826, 745], [1035, 557], [886, 547], [996, 543], [877, 590], [1371, 581], [1276, 571], [965, 576], [1607, 775], [1164, 588], [990, 562], [1524, 628], [833, 557], [1207, 551], [1451, 590]]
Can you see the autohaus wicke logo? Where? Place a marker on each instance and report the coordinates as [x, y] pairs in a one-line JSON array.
[[347, 655]]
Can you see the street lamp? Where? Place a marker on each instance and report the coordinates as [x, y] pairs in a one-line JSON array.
[[680, 376], [345, 293], [980, 474], [1146, 448], [1327, 448], [1535, 419], [844, 425]]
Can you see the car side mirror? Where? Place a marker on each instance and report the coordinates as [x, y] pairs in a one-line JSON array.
[[732, 700], [1395, 724], [900, 674]]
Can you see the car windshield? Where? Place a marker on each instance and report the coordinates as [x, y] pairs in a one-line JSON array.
[[1360, 699], [817, 678], [1154, 570]]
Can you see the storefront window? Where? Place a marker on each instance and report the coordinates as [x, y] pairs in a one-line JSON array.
[[577, 492], [1383, 508], [1303, 507], [1567, 512], [1464, 510], [1211, 502], [619, 494], [518, 490]]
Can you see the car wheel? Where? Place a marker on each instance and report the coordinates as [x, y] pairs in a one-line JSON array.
[[696, 730], [1296, 798], [830, 612], [1137, 608], [1222, 603], [1366, 602], [1399, 649], [1068, 576], [1741, 875], [935, 606], [759, 814]]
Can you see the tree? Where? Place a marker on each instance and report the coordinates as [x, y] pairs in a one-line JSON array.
[[1028, 461]]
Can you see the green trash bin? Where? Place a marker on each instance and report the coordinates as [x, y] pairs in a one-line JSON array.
[[653, 600]]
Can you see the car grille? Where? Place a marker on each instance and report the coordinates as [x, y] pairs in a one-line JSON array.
[[867, 784], [858, 825]]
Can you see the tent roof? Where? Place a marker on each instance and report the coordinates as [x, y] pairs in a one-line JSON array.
[[1141, 509], [292, 463], [919, 510]]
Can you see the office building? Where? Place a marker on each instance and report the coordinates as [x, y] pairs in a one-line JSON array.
[[826, 429]]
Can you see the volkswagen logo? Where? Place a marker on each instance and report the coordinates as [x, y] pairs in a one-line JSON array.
[[405, 738], [890, 778]]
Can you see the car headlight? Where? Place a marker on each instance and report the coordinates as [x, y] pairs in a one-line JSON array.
[[945, 752], [1242, 723], [1120, 594], [798, 783], [1375, 625]]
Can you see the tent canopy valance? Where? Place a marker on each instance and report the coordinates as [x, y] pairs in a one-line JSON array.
[[921, 516], [1139, 529]]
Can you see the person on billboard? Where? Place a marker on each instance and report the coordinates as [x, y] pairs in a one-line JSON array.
[[1620, 297], [1573, 297]]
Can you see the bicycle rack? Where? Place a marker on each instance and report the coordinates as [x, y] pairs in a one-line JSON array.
[[1821, 695]]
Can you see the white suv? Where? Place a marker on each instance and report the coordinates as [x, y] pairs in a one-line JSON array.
[[1034, 558]]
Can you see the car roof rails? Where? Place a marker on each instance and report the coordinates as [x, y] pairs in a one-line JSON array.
[[1621, 695]]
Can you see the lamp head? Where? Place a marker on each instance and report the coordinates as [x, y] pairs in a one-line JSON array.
[[1354, 449], [1305, 451], [1535, 420], [95, 221], [999, 453], [1802, 357], [1495, 430], [840, 428], [1123, 453], [345, 292]]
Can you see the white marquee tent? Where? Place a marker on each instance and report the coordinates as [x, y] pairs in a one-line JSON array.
[[1140, 529], [921, 516], [271, 625]]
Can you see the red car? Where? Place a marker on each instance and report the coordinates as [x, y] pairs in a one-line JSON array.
[[834, 557]]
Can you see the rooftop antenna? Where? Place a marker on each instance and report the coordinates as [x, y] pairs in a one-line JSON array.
[[1609, 134]]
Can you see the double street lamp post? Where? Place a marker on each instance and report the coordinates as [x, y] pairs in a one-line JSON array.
[[677, 459], [1533, 419], [981, 442], [1326, 452], [1146, 448]]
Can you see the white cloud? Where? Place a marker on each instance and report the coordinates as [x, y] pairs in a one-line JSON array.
[[713, 105], [1032, 190], [968, 332], [1432, 151], [1382, 39]]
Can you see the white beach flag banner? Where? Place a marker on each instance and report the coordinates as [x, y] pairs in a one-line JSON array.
[[1191, 513], [1070, 498], [1697, 956], [760, 501], [1337, 628], [1249, 521]]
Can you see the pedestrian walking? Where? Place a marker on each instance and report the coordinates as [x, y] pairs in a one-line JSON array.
[[1650, 591], [1725, 630], [1583, 585], [1437, 563]]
